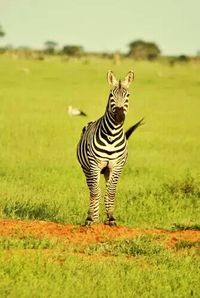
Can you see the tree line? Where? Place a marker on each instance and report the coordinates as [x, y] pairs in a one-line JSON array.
[[138, 49]]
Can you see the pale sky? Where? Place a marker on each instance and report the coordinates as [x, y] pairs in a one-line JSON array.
[[103, 25]]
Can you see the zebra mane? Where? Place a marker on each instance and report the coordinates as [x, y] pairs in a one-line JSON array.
[[120, 84]]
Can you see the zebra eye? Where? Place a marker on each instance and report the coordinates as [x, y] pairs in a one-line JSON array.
[[127, 95]]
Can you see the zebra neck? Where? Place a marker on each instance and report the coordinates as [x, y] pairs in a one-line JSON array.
[[108, 126]]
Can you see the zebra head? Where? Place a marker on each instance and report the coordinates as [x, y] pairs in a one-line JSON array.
[[117, 106]]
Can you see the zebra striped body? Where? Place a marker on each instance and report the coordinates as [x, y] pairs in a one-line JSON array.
[[103, 148]]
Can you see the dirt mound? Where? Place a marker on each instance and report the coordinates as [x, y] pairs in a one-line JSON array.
[[95, 234]]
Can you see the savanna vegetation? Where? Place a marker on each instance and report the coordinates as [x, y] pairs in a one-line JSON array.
[[40, 178]]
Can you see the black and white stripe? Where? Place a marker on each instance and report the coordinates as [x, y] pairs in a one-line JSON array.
[[103, 148]]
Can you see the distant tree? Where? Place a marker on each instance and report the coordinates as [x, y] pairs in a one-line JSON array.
[[182, 59], [72, 50], [140, 49], [50, 47], [2, 33], [178, 59]]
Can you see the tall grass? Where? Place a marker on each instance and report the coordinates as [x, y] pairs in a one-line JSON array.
[[38, 274], [40, 177]]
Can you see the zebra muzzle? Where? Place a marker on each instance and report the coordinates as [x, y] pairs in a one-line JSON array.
[[119, 115]]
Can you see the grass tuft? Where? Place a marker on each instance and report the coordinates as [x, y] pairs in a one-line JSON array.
[[187, 245], [141, 246], [186, 187], [179, 227], [29, 210], [27, 242]]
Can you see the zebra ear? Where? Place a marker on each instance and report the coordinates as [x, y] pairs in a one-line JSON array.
[[111, 78], [128, 79]]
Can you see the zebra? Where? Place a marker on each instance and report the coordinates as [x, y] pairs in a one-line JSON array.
[[102, 148]]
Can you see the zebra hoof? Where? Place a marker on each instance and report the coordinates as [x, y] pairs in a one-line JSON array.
[[88, 222], [110, 222]]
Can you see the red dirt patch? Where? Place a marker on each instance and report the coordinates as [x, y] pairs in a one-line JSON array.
[[95, 234]]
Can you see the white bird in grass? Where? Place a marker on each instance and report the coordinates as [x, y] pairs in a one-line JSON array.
[[75, 112]]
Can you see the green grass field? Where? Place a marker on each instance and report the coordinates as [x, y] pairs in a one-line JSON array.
[[40, 178]]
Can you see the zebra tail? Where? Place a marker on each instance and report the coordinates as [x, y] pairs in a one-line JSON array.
[[129, 132]]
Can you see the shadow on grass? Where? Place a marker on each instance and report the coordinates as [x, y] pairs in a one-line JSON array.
[[28, 210], [27, 242], [179, 227], [187, 187], [187, 245], [145, 245]]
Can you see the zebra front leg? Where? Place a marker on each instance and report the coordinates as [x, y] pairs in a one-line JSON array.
[[111, 177], [92, 179]]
